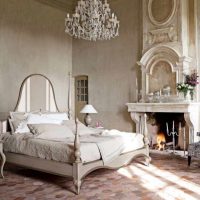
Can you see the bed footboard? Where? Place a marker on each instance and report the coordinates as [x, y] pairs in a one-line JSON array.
[[80, 170]]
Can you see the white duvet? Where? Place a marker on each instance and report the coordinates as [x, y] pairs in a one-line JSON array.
[[106, 146]]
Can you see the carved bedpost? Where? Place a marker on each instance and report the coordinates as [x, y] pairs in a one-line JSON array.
[[77, 152], [146, 140], [77, 162], [69, 97]]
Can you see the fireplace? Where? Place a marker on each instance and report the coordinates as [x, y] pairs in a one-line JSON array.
[[186, 113], [160, 125], [166, 51]]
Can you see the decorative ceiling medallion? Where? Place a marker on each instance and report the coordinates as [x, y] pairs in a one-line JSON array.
[[161, 12]]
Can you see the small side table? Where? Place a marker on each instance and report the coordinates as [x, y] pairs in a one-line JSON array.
[[3, 157]]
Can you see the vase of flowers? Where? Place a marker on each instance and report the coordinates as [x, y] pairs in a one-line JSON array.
[[183, 88], [192, 94], [192, 81], [189, 85]]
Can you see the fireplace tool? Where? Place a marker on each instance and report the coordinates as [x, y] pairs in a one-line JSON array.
[[173, 133]]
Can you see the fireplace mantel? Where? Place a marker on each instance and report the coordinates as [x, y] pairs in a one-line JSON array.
[[163, 107], [191, 113]]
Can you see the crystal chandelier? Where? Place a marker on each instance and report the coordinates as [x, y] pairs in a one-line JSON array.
[[92, 20]]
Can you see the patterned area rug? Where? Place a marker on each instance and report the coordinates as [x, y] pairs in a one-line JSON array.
[[168, 177]]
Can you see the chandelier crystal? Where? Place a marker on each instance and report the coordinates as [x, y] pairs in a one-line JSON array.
[[92, 20]]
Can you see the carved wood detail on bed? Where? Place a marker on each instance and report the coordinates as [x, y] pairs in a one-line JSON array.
[[76, 170]]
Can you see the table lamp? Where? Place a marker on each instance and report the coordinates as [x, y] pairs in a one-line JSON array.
[[88, 109]]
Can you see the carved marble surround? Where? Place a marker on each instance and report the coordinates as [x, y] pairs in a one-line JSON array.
[[166, 54], [191, 113], [178, 63]]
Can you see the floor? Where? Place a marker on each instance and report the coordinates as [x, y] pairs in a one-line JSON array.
[[168, 177]]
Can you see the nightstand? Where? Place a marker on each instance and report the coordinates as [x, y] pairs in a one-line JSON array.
[[3, 157]]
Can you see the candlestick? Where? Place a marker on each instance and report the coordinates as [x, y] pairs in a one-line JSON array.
[[167, 128], [136, 82], [179, 127], [136, 86], [136, 94], [173, 134]]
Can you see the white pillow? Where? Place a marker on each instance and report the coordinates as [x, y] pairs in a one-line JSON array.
[[42, 119], [57, 116], [50, 131], [18, 115], [35, 119], [14, 124], [82, 129], [22, 127], [18, 121], [22, 115]]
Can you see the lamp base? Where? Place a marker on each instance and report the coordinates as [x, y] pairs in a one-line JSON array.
[[87, 120]]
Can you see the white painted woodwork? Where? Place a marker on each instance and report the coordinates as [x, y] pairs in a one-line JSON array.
[[37, 93]]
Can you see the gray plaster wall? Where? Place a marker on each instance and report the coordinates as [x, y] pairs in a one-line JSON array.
[[111, 67], [198, 40], [32, 40]]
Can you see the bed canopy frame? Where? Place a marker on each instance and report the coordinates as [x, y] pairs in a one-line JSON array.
[[76, 170]]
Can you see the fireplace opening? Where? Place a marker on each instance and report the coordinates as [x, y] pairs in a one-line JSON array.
[[160, 126]]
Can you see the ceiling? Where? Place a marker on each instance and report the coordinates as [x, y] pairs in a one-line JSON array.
[[65, 5]]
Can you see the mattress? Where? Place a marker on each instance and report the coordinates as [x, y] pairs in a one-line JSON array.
[[92, 147]]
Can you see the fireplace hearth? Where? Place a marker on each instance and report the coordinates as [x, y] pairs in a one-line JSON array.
[[159, 135]]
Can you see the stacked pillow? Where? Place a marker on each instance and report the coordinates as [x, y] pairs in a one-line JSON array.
[[19, 121], [50, 131], [47, 125]]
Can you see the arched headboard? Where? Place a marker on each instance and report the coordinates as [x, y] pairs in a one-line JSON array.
[[37, 93]]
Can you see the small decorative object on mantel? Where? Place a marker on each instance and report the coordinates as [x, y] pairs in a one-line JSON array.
[[183, 88], [192, 81], [189, 85]]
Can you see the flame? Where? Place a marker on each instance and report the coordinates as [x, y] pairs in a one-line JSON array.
[[161, 141]]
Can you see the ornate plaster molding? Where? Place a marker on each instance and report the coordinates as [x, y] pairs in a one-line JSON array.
[[167, 20], [168, 34], [158, 52], [155, 55]]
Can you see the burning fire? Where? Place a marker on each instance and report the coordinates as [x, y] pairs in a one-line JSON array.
[[161, 141]]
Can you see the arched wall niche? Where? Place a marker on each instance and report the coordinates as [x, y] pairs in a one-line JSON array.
[[162, 74], [161, 66]]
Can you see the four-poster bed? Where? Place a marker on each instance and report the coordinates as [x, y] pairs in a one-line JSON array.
[[76, 169]]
